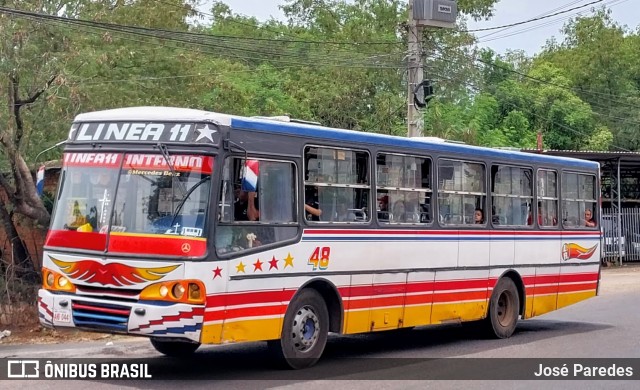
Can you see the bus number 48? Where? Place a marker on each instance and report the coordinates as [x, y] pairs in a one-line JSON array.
[[320, 258]]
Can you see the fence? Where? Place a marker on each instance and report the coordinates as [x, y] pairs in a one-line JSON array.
[[624, 241]]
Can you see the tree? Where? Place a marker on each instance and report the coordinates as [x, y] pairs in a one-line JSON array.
[[42, 71], [600, 58]]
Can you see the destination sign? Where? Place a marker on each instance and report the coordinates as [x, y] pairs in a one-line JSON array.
[[145, 132]]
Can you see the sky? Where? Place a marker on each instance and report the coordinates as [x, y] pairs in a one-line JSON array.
[[530, 37]]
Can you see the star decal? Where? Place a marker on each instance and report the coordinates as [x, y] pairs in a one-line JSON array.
[[217, 272], [206, 132], [273, 263], [240, 267], [288, 261], [257, 265]]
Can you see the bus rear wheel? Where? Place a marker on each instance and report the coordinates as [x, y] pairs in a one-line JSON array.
[[304, 331], [174, 348], [504, 309]]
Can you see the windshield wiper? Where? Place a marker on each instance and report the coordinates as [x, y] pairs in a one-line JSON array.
[[186, 196], [165, 153]]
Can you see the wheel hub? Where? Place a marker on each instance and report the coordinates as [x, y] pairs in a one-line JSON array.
[[306, 329]]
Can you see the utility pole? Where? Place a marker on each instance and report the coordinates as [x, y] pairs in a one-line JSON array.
[[415, 74], [434, 13]]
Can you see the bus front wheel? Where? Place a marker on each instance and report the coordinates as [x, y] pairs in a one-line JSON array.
[[174, 348], [504, 309], [304, 331]]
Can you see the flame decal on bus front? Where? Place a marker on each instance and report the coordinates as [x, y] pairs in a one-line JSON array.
[[115, 274], [575, 251]]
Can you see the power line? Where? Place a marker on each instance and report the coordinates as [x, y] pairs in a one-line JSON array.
[[572, 89], [610, 3], [231, 48], [594, 105], [535, 19], [563, 126], [542, 14]]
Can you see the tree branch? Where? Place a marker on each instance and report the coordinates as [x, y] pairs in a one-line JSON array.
[[19, 103], [8, 189]]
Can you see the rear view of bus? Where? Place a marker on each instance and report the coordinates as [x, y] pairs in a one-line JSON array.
[[131, 214]]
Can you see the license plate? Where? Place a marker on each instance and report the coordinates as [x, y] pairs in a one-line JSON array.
[[61, 316]]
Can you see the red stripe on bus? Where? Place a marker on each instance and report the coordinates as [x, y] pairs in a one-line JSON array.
[[76, 240], [419, 299], [182, 246], [80, 306], [577, 287], [177, 317], [253, 311], [246, 298], [427, 289], [460, 296], [374, 302]]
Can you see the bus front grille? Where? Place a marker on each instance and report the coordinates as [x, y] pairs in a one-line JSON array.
[[100, 315]]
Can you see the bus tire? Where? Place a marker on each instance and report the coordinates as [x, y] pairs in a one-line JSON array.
[[504, 309], [174, 348], [304, 331]]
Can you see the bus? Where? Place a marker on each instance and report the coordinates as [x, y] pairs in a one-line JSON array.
[[192, 227]]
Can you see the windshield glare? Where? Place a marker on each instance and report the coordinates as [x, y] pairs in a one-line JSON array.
[[132, 195]]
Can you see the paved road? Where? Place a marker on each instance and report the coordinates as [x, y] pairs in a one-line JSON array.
[[605, 326]]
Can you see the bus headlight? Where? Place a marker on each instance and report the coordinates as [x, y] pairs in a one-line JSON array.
[[56, 282], [174, 291], [49, 279], [194, 291], [62, 281], [178, 290], [164, 290]]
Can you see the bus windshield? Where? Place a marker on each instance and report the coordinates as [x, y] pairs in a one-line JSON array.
[[139, 200]]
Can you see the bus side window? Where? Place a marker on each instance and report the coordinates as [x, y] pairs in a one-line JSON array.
[[579, 200], [258, 207], [336, 188], [403, 189]]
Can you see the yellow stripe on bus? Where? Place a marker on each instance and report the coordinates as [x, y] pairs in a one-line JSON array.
[[566, 299], [363, 321]]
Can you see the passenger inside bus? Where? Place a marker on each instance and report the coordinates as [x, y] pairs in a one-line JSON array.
[[246, 207], [588, 218], [311, 204], [479, 216]]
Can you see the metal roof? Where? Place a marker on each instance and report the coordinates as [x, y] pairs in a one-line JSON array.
[[628, 160], [321, 132]]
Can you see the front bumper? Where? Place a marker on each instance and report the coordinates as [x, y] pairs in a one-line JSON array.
[[141, 318]]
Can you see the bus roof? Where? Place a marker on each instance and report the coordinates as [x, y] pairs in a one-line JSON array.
[[321, 132], [327, 133]]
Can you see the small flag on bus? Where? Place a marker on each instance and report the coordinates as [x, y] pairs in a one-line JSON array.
[[250, 176], [40, 180]]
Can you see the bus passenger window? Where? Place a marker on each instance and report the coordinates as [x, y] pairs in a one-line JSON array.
[[403, 189], [257, 204], [461, 190], [547, 198], [579, 200], [512, 195], [336, 186]]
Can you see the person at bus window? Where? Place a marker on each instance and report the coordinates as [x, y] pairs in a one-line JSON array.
[[246, 206], [588, 218], [311, 204], [478, 216], [383, 203]]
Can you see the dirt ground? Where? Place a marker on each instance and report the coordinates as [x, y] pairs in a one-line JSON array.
[[36, 334], [614, 278]]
